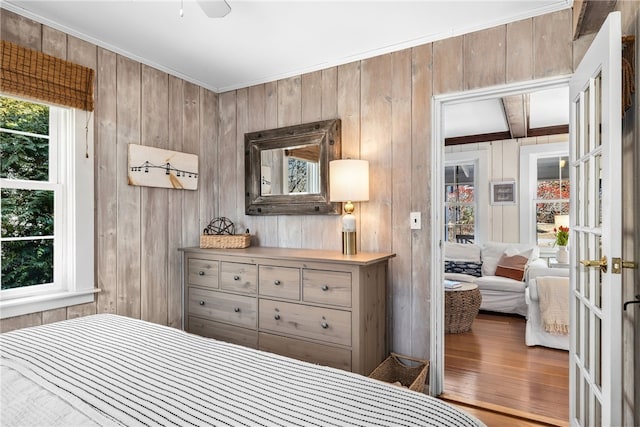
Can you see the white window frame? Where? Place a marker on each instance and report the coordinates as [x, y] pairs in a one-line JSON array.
[[529, 155], [479, 158], [71, 174]]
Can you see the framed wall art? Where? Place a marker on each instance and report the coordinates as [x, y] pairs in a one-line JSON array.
[[503, 193]]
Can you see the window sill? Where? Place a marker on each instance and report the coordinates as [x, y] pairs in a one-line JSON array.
[[34, 304]]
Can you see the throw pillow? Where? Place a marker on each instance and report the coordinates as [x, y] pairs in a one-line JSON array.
[[512, 267], [463, 267]]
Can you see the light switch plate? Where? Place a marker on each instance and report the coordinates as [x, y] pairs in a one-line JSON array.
[[416, 220]]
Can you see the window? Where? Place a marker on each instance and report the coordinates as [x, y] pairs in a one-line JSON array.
[[465, 196], [460, 212], [46, 207], [545, 191]]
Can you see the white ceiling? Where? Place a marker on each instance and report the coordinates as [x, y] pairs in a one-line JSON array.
[[549, 107], [263, 40]]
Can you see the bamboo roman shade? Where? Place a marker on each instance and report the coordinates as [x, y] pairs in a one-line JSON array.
[[33, 74]]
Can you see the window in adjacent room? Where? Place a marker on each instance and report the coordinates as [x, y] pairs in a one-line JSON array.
[[46, 207], [460, 202], [545, 188], [552, 196]]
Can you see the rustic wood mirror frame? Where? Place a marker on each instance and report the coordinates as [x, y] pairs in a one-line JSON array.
[[326, 133]]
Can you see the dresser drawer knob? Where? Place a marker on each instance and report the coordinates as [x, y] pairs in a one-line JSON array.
[[201, 302], [276, 282], [324, 325], [277, 317], [236, 277], [237, 309], [201, 273], [325, 287]]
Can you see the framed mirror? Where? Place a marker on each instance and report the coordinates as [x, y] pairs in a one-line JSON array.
[[287, 169]]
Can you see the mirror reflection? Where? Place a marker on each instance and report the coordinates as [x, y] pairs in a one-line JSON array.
[[290, 170]]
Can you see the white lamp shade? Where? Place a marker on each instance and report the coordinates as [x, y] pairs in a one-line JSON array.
[[561, 220], [349, 180]]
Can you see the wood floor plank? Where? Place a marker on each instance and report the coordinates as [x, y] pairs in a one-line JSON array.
[[491, 365]]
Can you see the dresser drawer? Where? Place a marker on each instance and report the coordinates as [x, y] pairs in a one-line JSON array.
[[326, 287], [239, 277], [317, 323], [235, 309], [279, 282], [203, 272], [223, 332], [320, 354]]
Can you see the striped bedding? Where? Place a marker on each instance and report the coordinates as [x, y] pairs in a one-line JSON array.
[[113, 370]]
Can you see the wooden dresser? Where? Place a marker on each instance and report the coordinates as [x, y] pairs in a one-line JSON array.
[[314, 305]]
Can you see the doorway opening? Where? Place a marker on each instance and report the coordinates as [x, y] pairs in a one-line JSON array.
[[465, 174]]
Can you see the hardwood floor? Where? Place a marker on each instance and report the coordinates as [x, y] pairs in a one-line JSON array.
[[491, 367]]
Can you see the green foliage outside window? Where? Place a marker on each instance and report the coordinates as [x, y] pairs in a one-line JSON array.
[[25, 213]]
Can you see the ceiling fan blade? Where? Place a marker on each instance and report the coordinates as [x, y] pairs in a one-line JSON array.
[[215, 8]]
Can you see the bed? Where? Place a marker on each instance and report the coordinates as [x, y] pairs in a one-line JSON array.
[[106, 370]]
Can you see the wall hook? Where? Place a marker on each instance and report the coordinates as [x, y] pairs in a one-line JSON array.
[[636, 301]]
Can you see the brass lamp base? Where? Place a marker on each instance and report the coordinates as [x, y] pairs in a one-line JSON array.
[[349, 243]]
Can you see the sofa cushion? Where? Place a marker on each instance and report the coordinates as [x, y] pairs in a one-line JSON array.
[[497, 283], [462, 252], [492, 251], [513, 266], [463, 267]]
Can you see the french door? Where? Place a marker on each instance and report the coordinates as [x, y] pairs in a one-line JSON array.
[[595, 149]]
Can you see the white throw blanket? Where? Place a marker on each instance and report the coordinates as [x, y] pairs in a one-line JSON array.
[[553, 293]]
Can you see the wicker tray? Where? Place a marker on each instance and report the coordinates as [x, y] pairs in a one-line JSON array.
[[235, 241], [393, 370]]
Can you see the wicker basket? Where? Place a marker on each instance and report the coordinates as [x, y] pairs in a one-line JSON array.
[[393, 370], [226, 241]]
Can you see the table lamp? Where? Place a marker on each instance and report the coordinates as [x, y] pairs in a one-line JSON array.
[[349, 182]]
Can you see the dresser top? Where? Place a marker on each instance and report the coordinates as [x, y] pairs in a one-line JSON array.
[[316, 255]]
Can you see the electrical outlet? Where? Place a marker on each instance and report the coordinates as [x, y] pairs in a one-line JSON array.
[[416, 221]]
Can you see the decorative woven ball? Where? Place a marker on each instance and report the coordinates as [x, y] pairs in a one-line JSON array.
[[221, 225]]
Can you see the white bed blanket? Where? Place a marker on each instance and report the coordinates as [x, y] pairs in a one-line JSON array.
[[112, 370]]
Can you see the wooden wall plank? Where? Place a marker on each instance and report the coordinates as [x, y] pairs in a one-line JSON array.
[[401, 126], [271, 229], [106, 182], [552, 44], [495, 214], [56, 315], [289, 113], [242, 125], [154, 214], [312, 228], [448, 67], [375, 224], [256, 99], [421, 164], [519, 61], [19, 322], [485, 58], [227, 151], [54, 42], [81, 310], [177, 209], [192, 121], [129, 197], [20, 30], [510, 171], [209, 151]]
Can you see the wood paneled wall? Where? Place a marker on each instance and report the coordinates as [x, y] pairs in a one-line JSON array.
[[385, 106], [138, 230]]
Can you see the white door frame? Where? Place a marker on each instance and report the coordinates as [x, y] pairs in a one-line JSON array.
[[436, 379]]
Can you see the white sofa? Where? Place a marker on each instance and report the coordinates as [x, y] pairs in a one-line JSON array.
[[534, 330], [499, 294]]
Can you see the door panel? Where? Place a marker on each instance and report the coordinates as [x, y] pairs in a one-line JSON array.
[[596, 327]]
